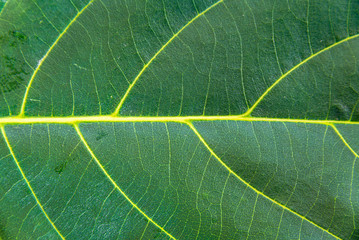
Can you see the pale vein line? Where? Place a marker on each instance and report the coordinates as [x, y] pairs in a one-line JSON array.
[[250, 186], [354, 161], [23, 221], [109, 118], [157, 53], [273, 40], [250, 110], [252, 218], [114, 183], [143, 233], [22, 110], [3, 7], [197, 196], [221, 204], [280, 223], [27, 181], [43, 14], [348, 16], [308, 32], [169, 155]]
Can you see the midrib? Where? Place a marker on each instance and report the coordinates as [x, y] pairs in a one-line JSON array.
[[179, 119]]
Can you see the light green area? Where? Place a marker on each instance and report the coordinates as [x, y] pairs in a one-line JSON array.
[[179, 119]]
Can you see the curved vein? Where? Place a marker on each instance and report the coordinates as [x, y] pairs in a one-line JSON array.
[[118, 108], [22, 110], [115, 184], [250, 186], [250, 110], [27, 181]]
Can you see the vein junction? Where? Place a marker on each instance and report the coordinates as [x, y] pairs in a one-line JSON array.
[[73, 120]]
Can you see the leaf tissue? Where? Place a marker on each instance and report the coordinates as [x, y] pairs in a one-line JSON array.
[[179, 119]]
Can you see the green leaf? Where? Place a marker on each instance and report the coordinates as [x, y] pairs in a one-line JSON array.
[[202, 119]]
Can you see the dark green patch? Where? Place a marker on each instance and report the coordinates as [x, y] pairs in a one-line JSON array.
[[60, 168], [101, 135], [12, 65], [12, 73], [355, 234], [2, 231], [13, 38], [17, 38]]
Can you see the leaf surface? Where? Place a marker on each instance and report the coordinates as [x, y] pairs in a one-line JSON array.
[[179, 119]]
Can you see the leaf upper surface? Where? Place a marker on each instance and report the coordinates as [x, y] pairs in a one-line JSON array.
[[179, 119]]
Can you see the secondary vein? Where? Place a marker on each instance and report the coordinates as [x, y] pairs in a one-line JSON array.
[[28, 182], [115, 184], [250, 110], [22, 110], [250, 186], [118, 108]]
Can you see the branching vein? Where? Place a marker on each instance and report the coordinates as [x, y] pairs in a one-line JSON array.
[[250, 110]]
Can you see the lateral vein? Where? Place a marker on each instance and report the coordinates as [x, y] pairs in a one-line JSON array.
[[27, 181], [114, 183], [250, 110], [250, 186], [116, 112], [22, 110]]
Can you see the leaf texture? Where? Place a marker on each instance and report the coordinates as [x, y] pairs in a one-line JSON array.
[[203, 119]]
